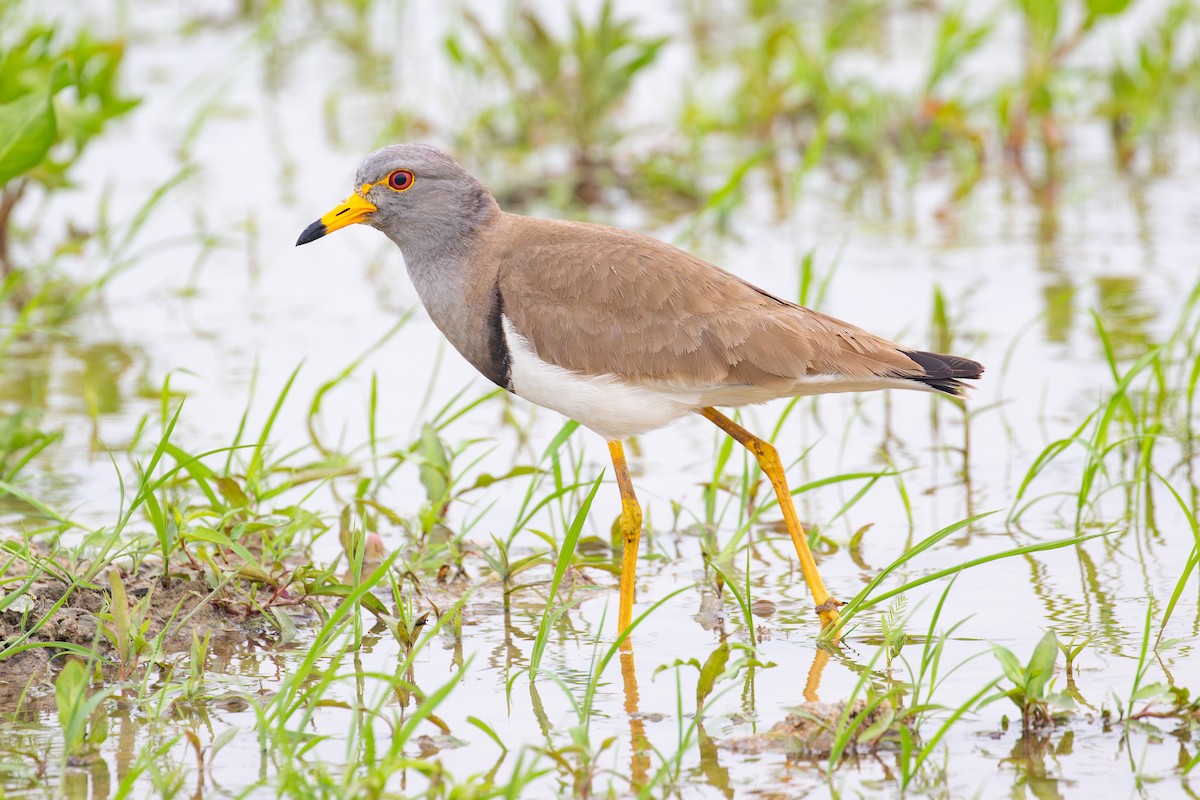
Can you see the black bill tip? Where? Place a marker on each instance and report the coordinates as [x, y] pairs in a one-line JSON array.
[[312, 233]]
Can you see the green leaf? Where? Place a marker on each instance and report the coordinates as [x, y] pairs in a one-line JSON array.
[[679, 662], [203, 534], [369, 601], [486, 479], [98, 730], [233, 494], [119, 609], [487, 729], [1106, 8], [1060, 701], [221, 739], [69, 695], [713, 667], [881, 726], [27, 131], [1151, 691], [565, 554], [435, 465], [285, 625], [1041, 665], [1012, 667]]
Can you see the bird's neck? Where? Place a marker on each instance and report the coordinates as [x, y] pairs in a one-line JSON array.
[[441, 241], [456, 285]]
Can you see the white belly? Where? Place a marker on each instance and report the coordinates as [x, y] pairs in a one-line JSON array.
[[617, 409], [607, 405]]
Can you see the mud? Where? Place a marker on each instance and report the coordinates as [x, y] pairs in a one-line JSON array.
[[50, 616], [809, 732]]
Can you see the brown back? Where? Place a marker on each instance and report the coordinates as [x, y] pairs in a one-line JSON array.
[[600, 300]]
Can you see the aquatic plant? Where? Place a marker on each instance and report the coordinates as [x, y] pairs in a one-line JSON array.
[[559, 91], [1032, 689], [59, 91]]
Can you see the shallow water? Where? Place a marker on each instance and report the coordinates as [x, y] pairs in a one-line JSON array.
[[247, 308]]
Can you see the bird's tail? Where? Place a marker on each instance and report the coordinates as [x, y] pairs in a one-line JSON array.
[[944, 373]]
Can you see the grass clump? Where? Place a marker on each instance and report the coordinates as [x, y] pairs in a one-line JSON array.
[[562, 92]]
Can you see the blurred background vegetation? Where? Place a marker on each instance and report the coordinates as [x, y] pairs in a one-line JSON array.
[[566, 109]]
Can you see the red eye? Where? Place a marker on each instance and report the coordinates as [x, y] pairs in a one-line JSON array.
[[400, 180]]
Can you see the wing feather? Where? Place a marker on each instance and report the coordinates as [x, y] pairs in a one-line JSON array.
[[603, 301]]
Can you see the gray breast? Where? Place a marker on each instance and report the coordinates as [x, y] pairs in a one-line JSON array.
[[466, 305]]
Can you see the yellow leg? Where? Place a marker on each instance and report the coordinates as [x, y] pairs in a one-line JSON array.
[[631, 534], [639, 759], [768, 459]]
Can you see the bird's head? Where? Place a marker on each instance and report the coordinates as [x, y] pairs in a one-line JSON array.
[[411, 192]]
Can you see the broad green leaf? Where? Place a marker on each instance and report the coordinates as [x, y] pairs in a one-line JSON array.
[[69, 696], [233, 493], [221, 739], [252, 572], [1041, 665], [119, 609], [435, 465], [1060, 701], [1012, 667], [713, 667], [1151, 691], [27, 131], [98, 731]]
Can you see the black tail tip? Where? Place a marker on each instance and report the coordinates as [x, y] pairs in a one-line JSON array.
[[945, 373]]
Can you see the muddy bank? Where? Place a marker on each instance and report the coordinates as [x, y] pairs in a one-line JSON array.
[[41, 620]]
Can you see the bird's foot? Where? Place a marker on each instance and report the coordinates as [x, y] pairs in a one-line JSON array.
[[832, 604]]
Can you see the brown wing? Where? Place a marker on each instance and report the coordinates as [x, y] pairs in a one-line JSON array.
[[601, 300]]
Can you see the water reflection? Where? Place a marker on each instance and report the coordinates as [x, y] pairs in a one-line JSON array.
[[639, 745], [1059, 299], [710, 768], [1126, 314], [47, 382], [812, 686], [1028, 759], [95, 377], [91, 781]]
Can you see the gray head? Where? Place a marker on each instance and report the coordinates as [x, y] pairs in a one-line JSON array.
[[416, 194]]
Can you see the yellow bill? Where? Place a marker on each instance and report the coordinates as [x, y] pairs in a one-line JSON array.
[[354, 208]]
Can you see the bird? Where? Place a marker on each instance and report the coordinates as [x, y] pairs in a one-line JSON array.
[[617, 330]]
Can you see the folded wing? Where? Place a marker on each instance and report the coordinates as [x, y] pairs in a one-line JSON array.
[[602, 301]]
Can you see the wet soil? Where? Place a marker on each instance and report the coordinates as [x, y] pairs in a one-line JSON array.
[[50, 615], [808, 732]]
